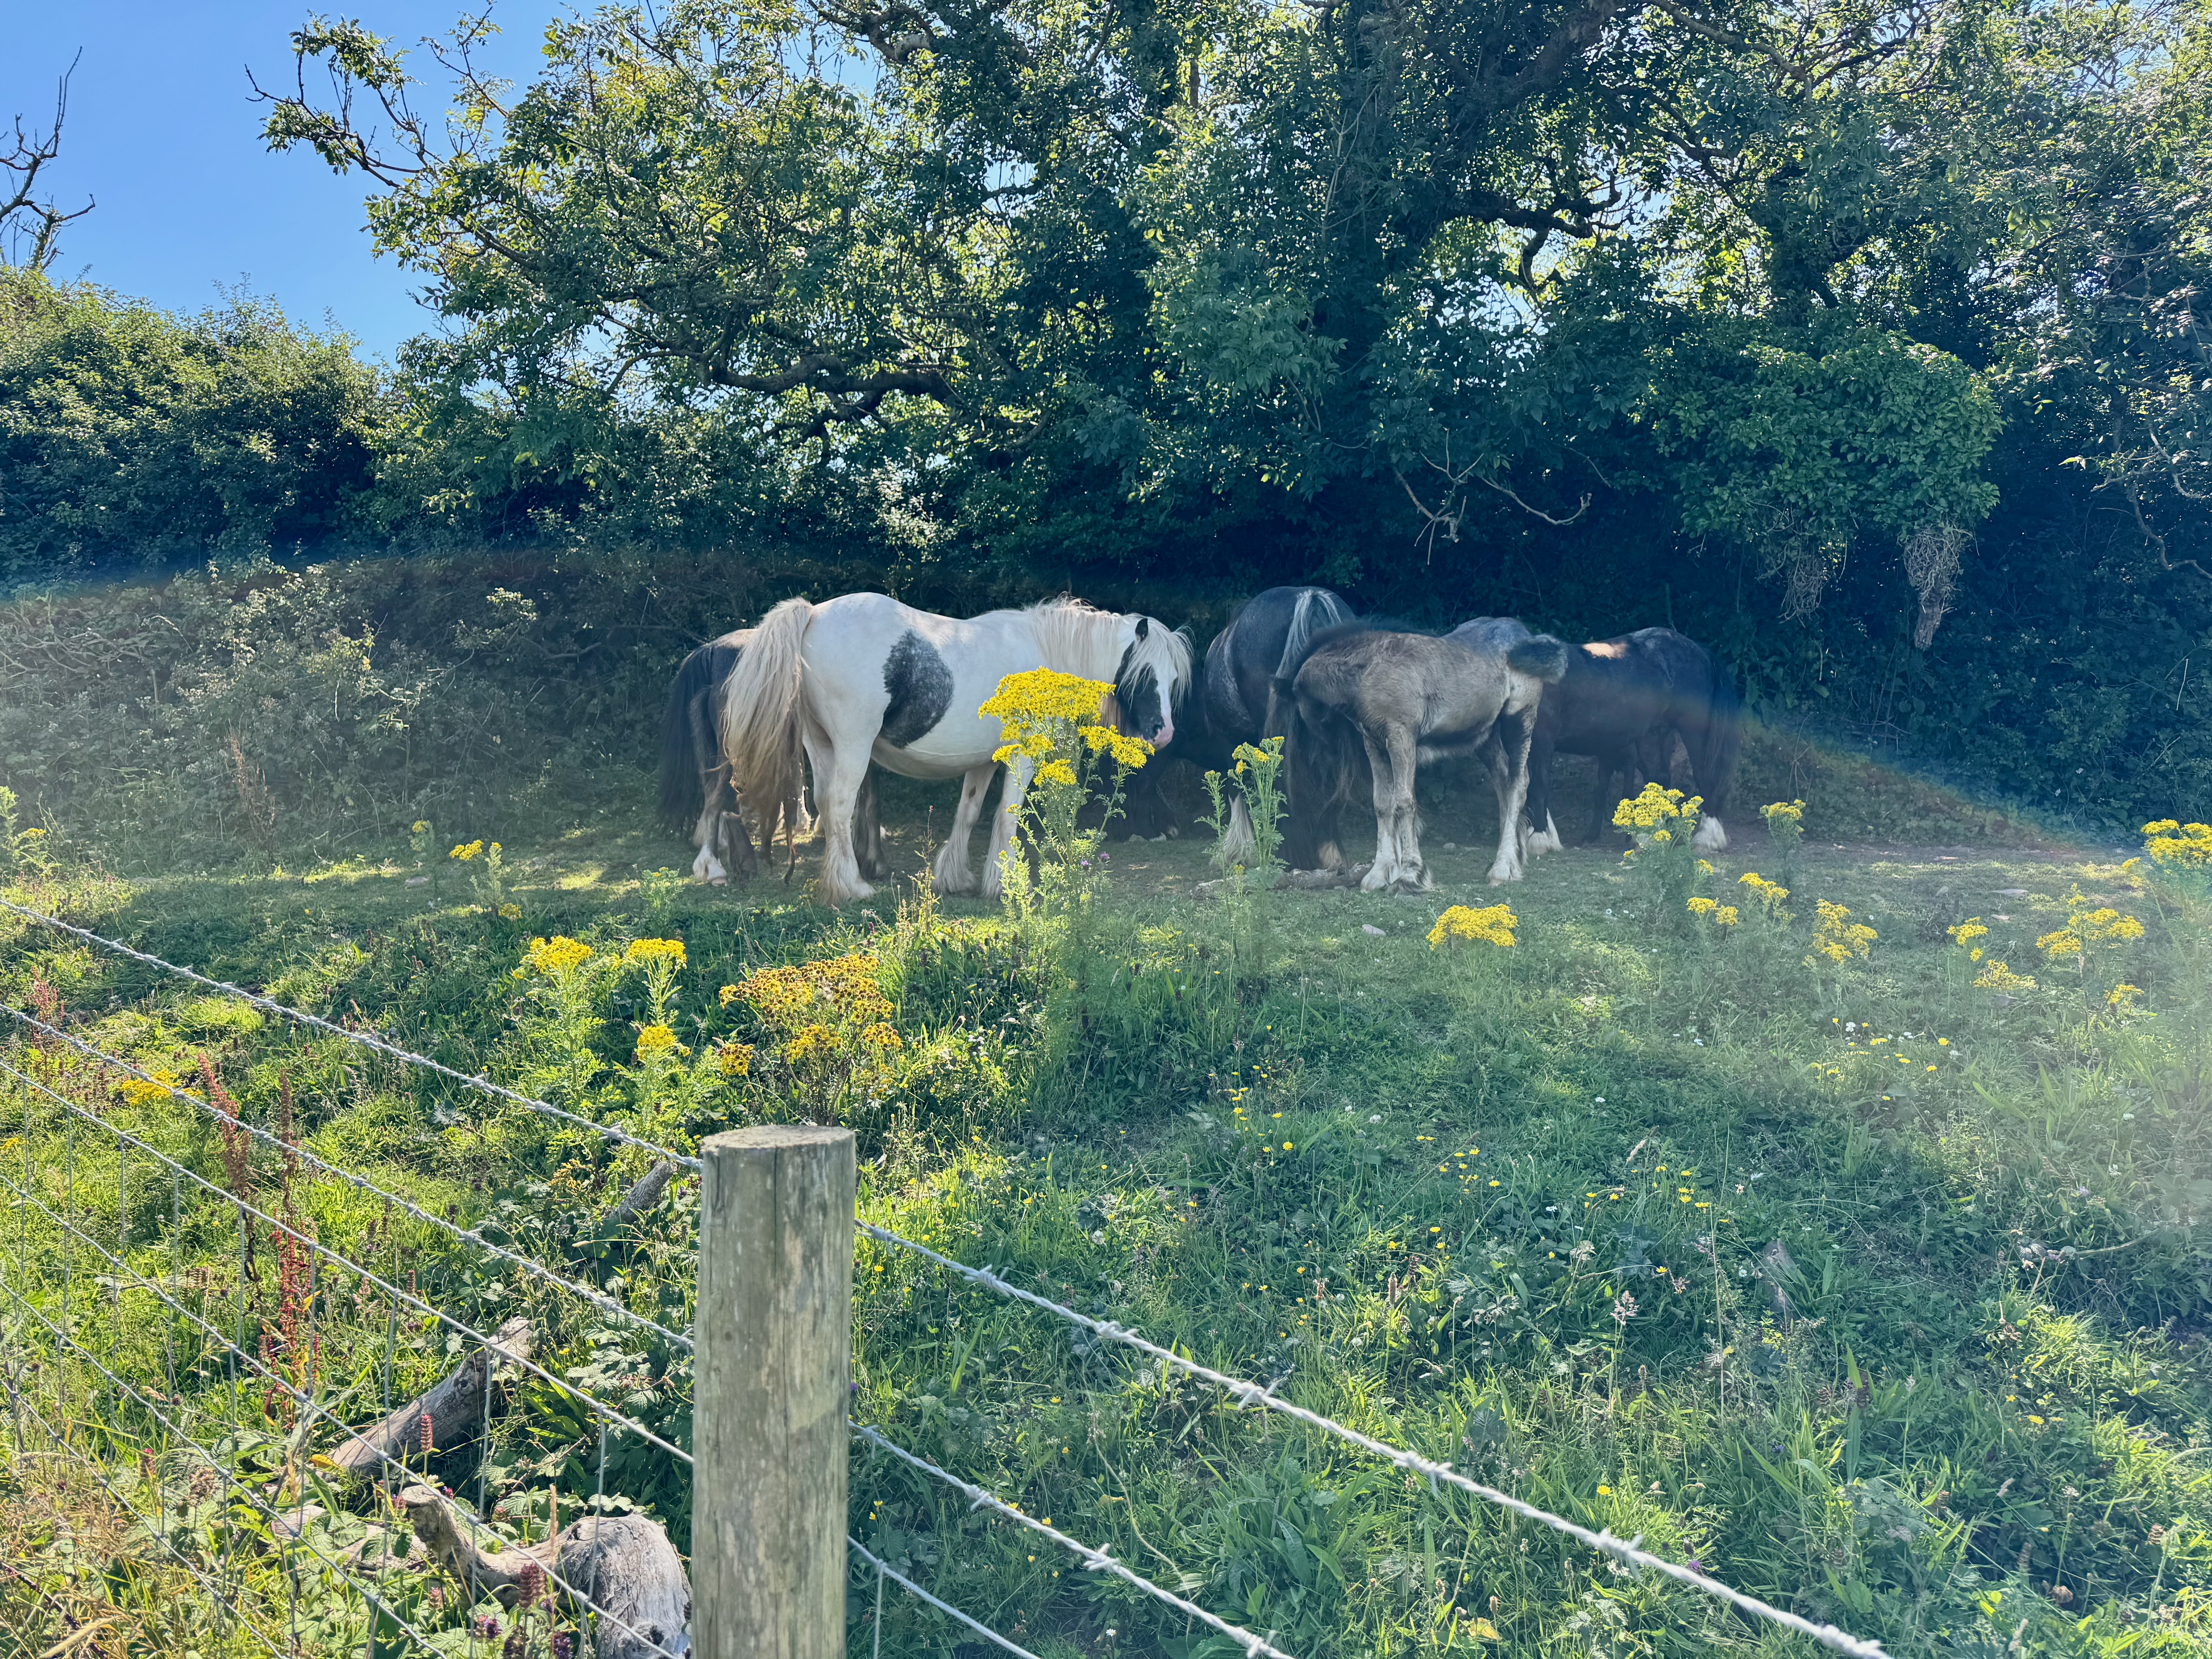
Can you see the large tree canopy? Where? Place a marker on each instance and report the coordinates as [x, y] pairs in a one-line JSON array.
[[1087, 272]]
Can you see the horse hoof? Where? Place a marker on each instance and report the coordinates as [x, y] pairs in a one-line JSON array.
[[718, 881]]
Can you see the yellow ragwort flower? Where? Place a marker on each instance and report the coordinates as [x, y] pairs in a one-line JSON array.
[[1494, 924], [466, 851], [556, 955], [655, 949]]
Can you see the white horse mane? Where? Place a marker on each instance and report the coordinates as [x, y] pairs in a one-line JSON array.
[[1073, 631]]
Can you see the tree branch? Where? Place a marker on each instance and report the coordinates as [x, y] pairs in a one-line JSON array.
[[22, 217]]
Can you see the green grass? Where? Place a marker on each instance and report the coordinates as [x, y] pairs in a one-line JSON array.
[[1864, 1401]]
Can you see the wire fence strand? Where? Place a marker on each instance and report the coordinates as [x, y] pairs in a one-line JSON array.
[[374, 1601], [214, 1590], [315, 1409], [604, 1413], [360, 1039], [1096, 1559], [916, 1590], [1251, 1394], [469, 1235]]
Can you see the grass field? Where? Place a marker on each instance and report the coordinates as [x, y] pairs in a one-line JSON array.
[[1875, 1292]]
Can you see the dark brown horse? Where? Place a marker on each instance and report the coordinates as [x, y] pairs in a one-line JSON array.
[[1624, 701]]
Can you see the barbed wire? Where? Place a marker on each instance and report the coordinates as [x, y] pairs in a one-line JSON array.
[[214, 1590], [1251, 1394], [607, 1413], [592, 1294], [376, 1602], [914, 1589], [316, 1410], [1096, 1559], [360, 1039]]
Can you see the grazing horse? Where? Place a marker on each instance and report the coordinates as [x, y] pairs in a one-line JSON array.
[[1624, 701], [1406, 698], [1232, 697], [694, 780], [863, 677]]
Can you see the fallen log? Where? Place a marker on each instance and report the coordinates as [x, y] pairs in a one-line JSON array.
[[454, 1407], [623, 1565], [642, 1194]]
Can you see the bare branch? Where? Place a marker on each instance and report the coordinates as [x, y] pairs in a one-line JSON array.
[[28, 227]]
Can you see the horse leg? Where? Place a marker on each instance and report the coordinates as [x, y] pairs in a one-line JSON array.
[[951, 871], [1544, 833], [1397, 823], [704, 834], [1003, 822], [1512, 735], [868, 830], [839, 770]]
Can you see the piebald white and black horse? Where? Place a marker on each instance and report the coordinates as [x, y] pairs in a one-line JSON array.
[[695, 791], [1623, 701], [864, 677], [1233, 696], [1401, 699]]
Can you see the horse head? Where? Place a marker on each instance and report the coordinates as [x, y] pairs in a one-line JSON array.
[[1151, 678]]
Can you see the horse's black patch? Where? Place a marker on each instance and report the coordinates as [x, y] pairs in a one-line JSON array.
[[921, 687]]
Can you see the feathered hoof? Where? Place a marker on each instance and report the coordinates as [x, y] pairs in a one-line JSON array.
[[1711, 837]]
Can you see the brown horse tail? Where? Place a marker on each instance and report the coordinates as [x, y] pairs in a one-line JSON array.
[[760, 718]]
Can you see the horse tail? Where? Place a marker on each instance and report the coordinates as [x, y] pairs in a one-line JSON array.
[[1540, 656], [1722, 739], [760, 718], [683, 789]]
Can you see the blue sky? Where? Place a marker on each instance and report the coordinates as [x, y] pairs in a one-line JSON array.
[[163, 134]]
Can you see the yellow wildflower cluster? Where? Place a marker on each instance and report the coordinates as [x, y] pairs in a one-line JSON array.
[[790, 999], [1784, 816], [735, 1058], [655, 949], [1036, 711], [1967, 931], [1723, 916], [557, 955], [2180, 845], [466, 851], [1996, 976], [1046, 694], [1837, 937], [1654, 810], [2085, 928], [815, 1041], [139, 1093], [2124, 1000], [1770, 894], [1128, 752], [653, 1041], [1494, 924]]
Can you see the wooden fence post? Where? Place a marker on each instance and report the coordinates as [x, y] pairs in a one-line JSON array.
[[774, 1359]]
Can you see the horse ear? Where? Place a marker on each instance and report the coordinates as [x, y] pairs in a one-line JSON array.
[[1144, 626]]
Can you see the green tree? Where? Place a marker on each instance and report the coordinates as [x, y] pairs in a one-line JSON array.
[[131, 436]]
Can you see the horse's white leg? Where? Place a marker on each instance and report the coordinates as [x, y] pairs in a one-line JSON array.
[[1397, 826], [1003, 822], [1711, 837], [838, 769], [1239, 843], [951, 870], [1513, 735]]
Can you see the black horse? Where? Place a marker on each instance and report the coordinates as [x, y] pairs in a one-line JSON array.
[[1234, 698], [1624, 701], [695, 789]]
